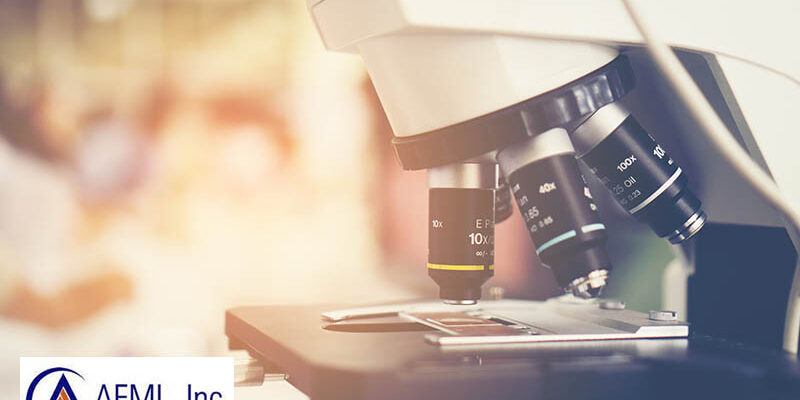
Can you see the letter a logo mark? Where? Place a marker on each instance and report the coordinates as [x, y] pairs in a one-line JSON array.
[[63, 390]]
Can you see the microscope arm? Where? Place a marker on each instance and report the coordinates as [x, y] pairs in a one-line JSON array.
[[719, 134]]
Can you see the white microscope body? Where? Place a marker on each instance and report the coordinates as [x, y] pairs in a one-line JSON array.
[[440, 64]]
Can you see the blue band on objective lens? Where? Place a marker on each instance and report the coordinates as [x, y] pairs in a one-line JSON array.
[[567, 235], [558, 239]]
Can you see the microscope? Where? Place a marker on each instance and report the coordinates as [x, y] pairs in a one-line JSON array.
[[533, 102]]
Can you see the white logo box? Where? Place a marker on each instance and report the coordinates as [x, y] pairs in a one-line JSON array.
[[126, 378]]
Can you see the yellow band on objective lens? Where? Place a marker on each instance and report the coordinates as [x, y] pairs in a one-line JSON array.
[[449, 267]]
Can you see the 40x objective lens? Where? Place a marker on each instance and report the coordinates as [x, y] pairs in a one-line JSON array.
[[639, 173], [461, 208], [558, 209]]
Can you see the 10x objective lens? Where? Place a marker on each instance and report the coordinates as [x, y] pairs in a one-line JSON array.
[[639, 173], [461, 208], [558, 209]]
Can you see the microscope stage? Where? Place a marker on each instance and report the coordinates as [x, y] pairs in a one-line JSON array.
[[502, 349]]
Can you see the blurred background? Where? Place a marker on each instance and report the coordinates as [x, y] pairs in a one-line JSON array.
[[163, 160]]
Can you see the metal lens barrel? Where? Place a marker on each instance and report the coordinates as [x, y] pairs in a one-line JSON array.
[[558, 209], [639, 173], [461, 208]]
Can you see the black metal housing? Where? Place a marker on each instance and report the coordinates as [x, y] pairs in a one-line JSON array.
[[498, 129]]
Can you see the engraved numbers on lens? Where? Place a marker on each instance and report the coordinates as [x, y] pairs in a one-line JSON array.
[[548, 220], [531, 213], [566, 231], [477, 238], [639, 172], [659, 152], [547, 187], [626, 163], [535, 226]]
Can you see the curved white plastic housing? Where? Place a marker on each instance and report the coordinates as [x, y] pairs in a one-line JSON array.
[[430, 81], [712, 26], [436, 63], [468, 52]]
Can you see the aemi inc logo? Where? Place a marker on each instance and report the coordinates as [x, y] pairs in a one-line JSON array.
[[62, 390], [126, 378]]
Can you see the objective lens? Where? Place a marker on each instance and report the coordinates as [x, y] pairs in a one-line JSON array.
[[643, 178], [558, 210], [461, 201]]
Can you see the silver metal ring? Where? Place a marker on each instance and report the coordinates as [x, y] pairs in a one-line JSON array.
[[471, 175], [657, 193], [460, 302], [597, 127], [689, 228], [662, 315], [550, 143]]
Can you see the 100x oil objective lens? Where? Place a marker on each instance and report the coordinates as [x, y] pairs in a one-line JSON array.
[[639, 173], [461, 208], [558, 209]]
